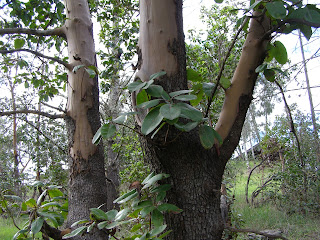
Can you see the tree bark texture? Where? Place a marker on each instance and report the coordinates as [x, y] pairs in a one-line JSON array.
[[196, 173], [87, 184]]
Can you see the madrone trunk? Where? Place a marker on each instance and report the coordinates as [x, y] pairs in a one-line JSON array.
[[196, 173], [87, 184]]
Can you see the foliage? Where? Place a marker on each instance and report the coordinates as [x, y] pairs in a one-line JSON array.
[[51, 206], [145, 214], [163, 109]]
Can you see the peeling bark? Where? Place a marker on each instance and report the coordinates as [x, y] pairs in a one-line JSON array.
[[196, 173], [87, 183]]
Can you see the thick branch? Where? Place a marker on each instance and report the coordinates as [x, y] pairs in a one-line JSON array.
[[67, 65], [26, 111], [223, 65], [53, 32], [272, 236]]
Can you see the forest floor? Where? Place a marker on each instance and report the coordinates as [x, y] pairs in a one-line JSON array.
[[267, 216]]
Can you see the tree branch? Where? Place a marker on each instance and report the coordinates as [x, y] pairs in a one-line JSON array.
[[52, 32], [26, 111], [223, 65], [291, 21], [263, 233], [67, 65]]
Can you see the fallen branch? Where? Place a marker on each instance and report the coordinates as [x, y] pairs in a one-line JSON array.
[[263, 233]]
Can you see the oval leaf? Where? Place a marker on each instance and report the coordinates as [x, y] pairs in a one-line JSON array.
[[149, 104], [170, 111], [37, 225], [151, 121], [19, 43], [280, 52], [206, 136], [158, 74], [157, 218], [276, 9], [75, 232], [108, 131], [186, 97]]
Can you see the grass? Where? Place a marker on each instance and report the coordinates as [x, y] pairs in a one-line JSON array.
[[267, 216], [7, 229]]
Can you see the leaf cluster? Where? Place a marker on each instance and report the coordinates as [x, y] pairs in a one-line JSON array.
[[145, 214]]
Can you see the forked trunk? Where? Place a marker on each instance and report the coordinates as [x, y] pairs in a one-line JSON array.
[[196, 173], [87, 185]]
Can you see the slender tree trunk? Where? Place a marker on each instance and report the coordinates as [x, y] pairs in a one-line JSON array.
[[313, 115], [196, 173], [87, 184]]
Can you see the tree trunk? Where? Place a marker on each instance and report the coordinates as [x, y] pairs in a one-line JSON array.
[[196, 173], [87, 184]]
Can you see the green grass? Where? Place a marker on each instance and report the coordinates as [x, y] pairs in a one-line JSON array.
[[267, 216], [7, 229]]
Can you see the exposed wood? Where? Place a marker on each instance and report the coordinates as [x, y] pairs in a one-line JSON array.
[[54, 32], [242, 83], [263, 233]]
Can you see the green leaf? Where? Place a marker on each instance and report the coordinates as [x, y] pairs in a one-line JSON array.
[[217, 136], [254, 4], [206, 136], [124, 196], [157, 230], [120, 120], [177, 93], [207, 88], [198, 100], [108, 130], [165, 207], [131, 196], [148, 177], [158, 74], [161, 188], [155, 91], [79, 222], [158, 129], [312, 15], [149, 104], [145, 211], [161, 196], [165, 234], [186, 127], [276, 9], [52, 216], [55, 193], [142, 97], [40, 198], [144, 204], [50, 204], [19, 43], [91, 72], [193, 75], [75, 232], [96, 138], [306, 31], [154, 179], [280, 52], [112, 214], [218, 1], [225, 82], [122, 214], [269, 74], [31, 203], [261, 67], [136, 86], [170, 111], [157, 218], [37, 184], [136, 227], [91, 226], [37, 225], [99, 214], [22, 231], [165, 96], [13, 198], [76, 68], [151, 121], [190, 112], [186, 97], [148, 84]]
